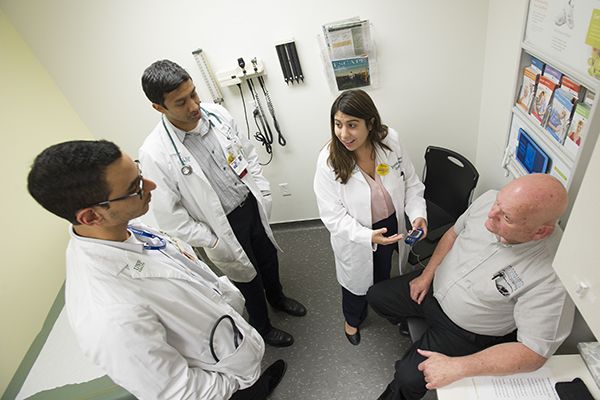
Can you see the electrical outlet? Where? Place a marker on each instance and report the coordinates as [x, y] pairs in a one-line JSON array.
[[285, 189]]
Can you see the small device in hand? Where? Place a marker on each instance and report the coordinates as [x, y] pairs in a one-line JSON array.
[[414, 236]]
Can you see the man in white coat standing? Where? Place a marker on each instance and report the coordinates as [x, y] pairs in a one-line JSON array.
[[142, 306], [212, 193]]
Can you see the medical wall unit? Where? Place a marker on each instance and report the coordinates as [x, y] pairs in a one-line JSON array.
[[246, 73], [289, 61], [559, 57], [208, 76]]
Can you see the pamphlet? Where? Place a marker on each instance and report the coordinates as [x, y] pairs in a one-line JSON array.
[[537, 385], [575, 135], [530, 76], [352, 72], [543, 95], [560, 115]]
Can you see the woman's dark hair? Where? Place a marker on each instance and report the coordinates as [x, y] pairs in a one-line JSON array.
[[358, 104], [68, 177]]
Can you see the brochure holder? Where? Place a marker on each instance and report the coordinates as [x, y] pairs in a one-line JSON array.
[[348, 54]]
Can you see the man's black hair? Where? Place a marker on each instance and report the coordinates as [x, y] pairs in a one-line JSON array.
[[67, 177], [162, 77]]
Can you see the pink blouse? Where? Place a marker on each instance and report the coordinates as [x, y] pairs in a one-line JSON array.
[[382, 205]]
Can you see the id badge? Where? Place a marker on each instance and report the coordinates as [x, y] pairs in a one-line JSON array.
[[239, 165], [236, 158]]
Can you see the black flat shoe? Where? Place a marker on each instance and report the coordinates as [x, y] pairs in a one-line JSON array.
[[292, 307], [278, 338], [274, 373], [354, 339], [388, 394]]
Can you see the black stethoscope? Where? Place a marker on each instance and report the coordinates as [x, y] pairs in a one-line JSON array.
[[186, 169], [147, 246], [237, 335]]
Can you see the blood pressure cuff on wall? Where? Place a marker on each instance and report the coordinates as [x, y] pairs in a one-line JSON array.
[[574, 390]]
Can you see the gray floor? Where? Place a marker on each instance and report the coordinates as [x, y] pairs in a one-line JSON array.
[[322, 364]]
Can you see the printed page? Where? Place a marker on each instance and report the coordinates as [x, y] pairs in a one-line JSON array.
[[538, 385]]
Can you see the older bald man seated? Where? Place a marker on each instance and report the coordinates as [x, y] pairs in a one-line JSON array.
[[489, 293]]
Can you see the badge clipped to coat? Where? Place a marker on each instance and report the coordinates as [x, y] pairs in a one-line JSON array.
[[236, 158]]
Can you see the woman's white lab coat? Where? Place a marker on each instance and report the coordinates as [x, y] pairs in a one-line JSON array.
[[346, 211], [187, 207], [146, 320]]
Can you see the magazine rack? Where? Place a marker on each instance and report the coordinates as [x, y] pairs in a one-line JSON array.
[[348, 55]]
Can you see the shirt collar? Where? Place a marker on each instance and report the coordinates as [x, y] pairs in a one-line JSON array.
[[201, 129], [131, 244]]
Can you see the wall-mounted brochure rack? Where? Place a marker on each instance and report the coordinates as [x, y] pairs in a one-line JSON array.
[[348, 54]]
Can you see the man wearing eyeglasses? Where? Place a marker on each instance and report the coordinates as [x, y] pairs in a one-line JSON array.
[[493, 303], [142, 306]]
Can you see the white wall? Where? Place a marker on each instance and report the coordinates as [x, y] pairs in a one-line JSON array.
[[34, 115], [502, 52], [431, 59]]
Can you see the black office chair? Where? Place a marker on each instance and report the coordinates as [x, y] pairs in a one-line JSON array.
[[450, 180]]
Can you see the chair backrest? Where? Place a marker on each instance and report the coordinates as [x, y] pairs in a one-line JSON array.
[[449, 179]]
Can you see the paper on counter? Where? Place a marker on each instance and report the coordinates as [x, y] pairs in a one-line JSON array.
[[537, 385]]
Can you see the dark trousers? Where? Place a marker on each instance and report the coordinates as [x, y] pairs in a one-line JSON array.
[[391, 299], [355, 306], [258, 391], [249, 231]]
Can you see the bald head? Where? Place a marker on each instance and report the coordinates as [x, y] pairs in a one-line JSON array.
[[527, 208], [541, 197]]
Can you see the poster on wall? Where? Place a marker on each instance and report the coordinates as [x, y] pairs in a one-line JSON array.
[[568, 31]]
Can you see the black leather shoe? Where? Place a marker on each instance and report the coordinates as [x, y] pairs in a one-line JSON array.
[[274, 374], [278, 338], [292, 307], [388, 394], [354, 339], [403, 327]]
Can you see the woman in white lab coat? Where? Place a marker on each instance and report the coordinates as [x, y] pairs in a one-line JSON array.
[[364, 184]]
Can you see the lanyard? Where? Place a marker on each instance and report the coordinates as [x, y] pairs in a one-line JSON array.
[[147, 246]]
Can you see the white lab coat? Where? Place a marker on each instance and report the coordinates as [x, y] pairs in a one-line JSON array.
[[187, 206], [346, 211], [146, 320]]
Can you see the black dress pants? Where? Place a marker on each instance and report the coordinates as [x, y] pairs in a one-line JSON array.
[[249, 231], [355, 306], [391, 299]]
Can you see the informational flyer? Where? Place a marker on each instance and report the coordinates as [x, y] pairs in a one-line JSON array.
[[537, 385], [568, 31]]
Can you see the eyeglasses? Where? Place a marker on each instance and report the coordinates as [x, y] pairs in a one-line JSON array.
[[138, 193]]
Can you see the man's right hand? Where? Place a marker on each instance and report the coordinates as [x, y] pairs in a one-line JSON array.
[[419, 287]]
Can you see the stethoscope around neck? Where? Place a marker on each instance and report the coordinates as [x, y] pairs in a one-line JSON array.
[[147, 246], [186, 169]]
